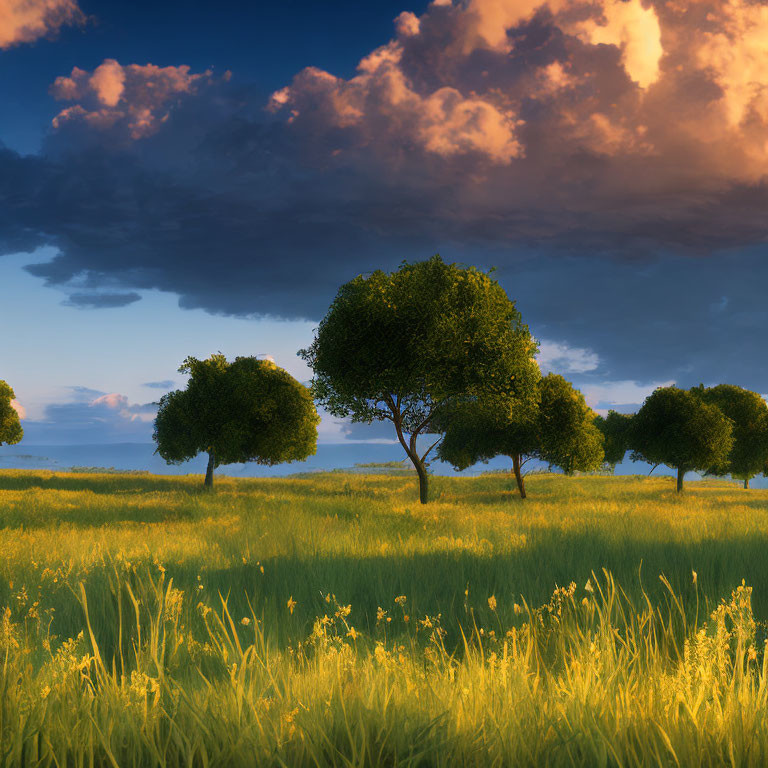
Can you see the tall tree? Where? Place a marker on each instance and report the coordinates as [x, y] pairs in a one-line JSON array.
[[553, 424], [399, 346], [676, 428], [246, 410], [10, 425], [749, 413]]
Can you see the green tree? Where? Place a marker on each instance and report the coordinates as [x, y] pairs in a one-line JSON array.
[[399, 346], [553, 424], [10, 425], [749, 414], [246, 410], [676, 428], [616, 429]]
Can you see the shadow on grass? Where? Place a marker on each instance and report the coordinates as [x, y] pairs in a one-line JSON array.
[[456, 585]]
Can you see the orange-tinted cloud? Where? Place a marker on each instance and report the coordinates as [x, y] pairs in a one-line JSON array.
[[134, 98], [24, 21], [684, 84], [19, 408]]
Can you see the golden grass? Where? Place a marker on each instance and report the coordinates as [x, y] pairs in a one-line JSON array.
[[332, 620]]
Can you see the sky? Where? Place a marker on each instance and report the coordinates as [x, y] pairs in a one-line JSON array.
[[185, 178]]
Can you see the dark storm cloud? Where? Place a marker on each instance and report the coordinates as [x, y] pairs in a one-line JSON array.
[[102, 300], [610, 179]]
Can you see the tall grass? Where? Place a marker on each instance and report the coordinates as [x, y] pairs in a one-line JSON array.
[[332, 620]]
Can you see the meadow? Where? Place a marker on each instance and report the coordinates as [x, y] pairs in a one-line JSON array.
[[331, 619]]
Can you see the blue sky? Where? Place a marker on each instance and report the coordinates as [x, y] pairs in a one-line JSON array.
[[184, 178]]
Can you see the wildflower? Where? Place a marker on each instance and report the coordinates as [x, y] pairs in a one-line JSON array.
[[291, 604], [406, 618], [492, 602], [752, 653], [380, 614], [353, 633], [245, 621], [588, 586], [517, 609], [261, 568], [45, 691], [200, 587], [401, 600], [695, 576]]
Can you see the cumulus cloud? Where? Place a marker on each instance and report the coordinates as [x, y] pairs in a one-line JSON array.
[[19, 408], [588, 150], [24, 21], [90, 416], [624, 396], [558, 357], [130, 101]]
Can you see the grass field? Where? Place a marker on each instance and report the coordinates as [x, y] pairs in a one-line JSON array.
[[332, 620]]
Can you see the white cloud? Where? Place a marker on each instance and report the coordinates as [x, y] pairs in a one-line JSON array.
[[559, 357], [609, 395]]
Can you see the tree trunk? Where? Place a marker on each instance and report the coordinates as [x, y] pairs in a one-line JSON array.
[[680, 475], [746, 483], [518, 474], [209, 470], [421, 471]]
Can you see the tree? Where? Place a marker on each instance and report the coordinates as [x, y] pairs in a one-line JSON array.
[[400, 346], [246, 410], [749, 414], [10, 425], [616, 429], [676, 428], [553, 424]]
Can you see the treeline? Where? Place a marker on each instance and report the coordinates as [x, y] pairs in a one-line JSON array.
[[720, 430], [441, 353]]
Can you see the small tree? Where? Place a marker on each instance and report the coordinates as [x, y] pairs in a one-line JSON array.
[[616, 428], [554, 425], [246, 410], [10, 425], [400, 346], [749, 414], [676, 428]]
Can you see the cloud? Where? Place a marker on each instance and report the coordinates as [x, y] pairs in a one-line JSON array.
[[165, 384], [609, 158], [623, 396], [90, 416], [558, 357], [129, 101], [19, 408], [24, 21], [101, 300]]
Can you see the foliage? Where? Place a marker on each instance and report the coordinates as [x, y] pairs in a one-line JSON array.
[[246, 410], [269, 626], [553, 424], [616, 429], [10, 425], [676, 428], [749, 413], [398, 346]]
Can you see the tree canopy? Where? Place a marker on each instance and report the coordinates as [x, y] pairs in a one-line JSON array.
[[246, 410], [616, 428], [553, 424], [10, 425], [749, 413], [399, 346], [676, 428]]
